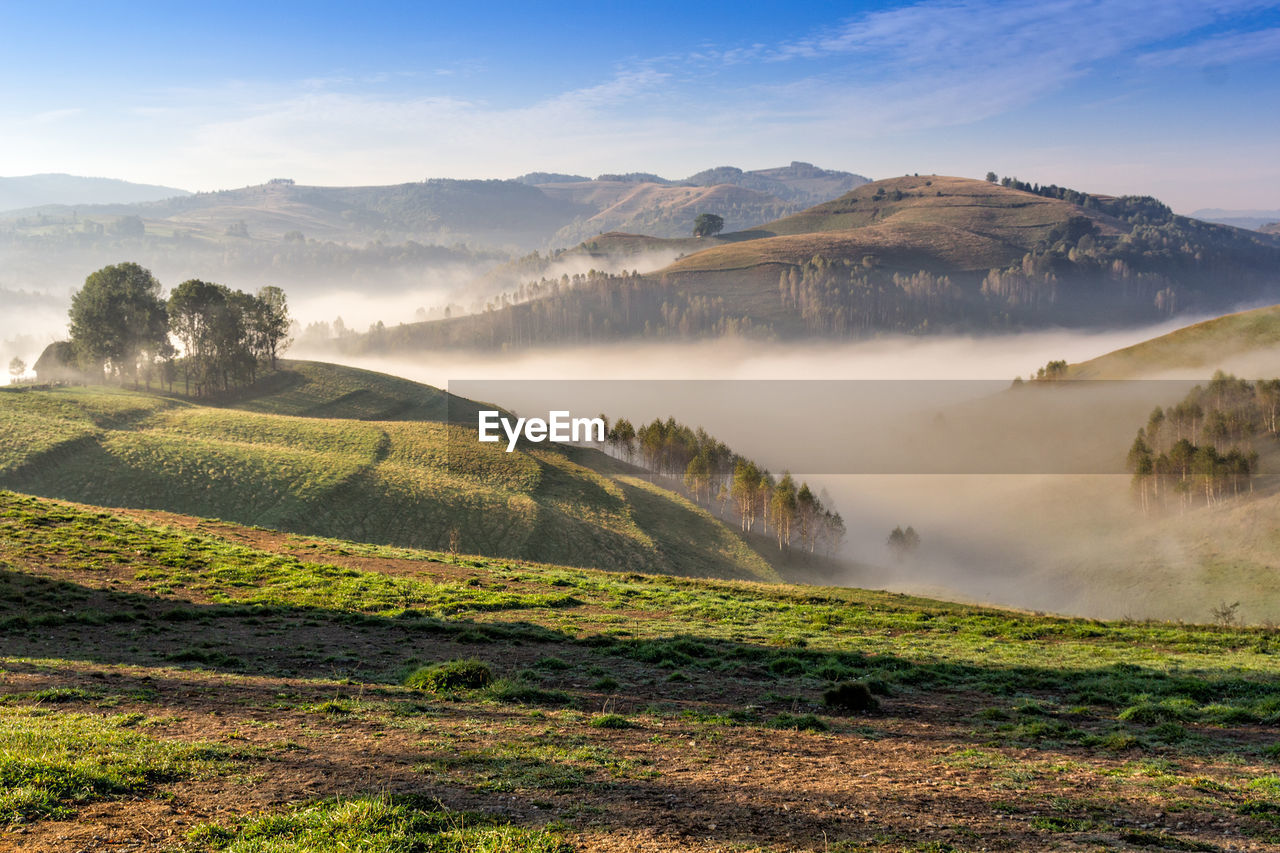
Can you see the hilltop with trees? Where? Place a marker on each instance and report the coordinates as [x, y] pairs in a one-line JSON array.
[[122, 329]]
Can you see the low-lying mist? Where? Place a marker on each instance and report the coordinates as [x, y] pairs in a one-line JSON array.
[[1066, 539]]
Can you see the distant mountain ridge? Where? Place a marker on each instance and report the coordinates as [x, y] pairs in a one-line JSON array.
[[1255, 220], [57, 188], [541, 210]]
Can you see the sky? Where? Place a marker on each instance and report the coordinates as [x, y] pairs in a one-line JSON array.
[[1174, 98]]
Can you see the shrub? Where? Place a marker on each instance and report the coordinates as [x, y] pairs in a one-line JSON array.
[[852, 696], [786, 666], [450, 675]]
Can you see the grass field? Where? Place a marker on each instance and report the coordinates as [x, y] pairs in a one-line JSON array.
[[334, 451], [171, 683]]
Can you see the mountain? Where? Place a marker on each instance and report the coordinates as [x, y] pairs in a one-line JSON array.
[[909, 254], [800, 183], [1270, 228], [659, 210], [325, 450], [536, 211], [59, 189], [497, 212], [1251, 219], [658, 207], [1246, 343]]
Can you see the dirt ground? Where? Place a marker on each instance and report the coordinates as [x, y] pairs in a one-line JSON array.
[[915, 777]]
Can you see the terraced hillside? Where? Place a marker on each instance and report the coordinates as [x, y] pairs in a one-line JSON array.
[[170, 683], [338, 452]]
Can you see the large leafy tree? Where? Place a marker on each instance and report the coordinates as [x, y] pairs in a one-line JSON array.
[[118, 320], [707, 224]]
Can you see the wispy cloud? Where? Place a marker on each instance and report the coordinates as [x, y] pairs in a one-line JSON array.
[[50, 116], [1223, 49]]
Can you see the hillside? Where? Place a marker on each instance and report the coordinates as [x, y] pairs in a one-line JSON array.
[[659, 210], [1246, 343], [1270, 228], [176, 683], [495, 211], [330, 451], [799, 183], [940, 224], [909, 255], [58, 189]]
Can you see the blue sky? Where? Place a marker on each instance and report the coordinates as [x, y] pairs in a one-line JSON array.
[[1173, 98]]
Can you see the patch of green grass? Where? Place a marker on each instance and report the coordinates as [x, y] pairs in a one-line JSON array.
[[451, 675], [376, 824], [610, 721], [516, 693], [51, 762], [798, 722]]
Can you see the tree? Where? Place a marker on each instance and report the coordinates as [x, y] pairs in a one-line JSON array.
[[194, 308], [17, 367], [118, 319], [783, 507], [992, 177], [270, 323], [707, 225], [903, 542]]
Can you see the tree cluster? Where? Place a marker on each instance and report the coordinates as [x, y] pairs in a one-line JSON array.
[[846, 297], [122, 328], [730, 485], [1202, 448]]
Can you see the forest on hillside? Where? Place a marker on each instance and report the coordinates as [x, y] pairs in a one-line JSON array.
[[1203, 449]]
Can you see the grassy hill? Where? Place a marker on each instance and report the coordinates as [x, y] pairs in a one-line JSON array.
[[936, 223], [173, 683], [1247, 341], [332, 451]]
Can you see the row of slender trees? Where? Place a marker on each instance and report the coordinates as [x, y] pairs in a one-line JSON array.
[[1202, 448], [731, 485], [122, 328]]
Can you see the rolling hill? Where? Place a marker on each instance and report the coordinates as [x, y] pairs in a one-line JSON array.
[[911, 254], [57, 189], [488, 213], [1246, 343], [332, 451], [659, 210]]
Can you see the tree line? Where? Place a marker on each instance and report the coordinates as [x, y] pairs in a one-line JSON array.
[[123, 328], [1202, 448], [730, 485]]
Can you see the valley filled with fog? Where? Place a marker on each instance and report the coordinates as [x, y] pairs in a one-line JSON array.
[[1040, 516]]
